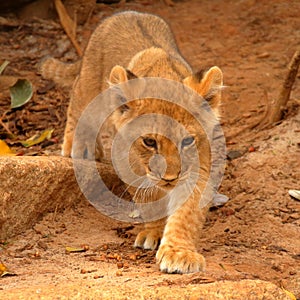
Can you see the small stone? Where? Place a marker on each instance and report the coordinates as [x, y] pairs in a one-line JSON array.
[[246, 115], [132, 257], [41, 229], [126, 266], [43, 245], [233, 154], [263, 55]]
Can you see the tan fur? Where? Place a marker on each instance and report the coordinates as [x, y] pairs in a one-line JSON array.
[[177, 252], [144, 45], [62, 73]]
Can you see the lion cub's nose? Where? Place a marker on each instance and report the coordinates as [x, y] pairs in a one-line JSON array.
[[170, 178]]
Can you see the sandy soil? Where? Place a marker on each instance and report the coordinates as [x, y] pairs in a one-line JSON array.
[[255, 235]]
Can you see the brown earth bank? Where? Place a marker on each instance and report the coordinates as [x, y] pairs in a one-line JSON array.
[[251, 240]]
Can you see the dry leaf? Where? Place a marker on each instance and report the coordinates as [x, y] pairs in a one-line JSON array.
[[4, 271], [3, 66], [4, 149], [37, 138], [7, 81], [291, 295], [295, 194], [74, 249]]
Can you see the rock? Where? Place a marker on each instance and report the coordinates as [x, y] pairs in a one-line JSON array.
[[31, 187], [245, 289]]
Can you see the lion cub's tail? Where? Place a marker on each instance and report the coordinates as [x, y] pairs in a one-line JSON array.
[[61, 73]]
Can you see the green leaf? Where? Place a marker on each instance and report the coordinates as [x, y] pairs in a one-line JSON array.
[[3, 66], [20, 93], [37, 138]]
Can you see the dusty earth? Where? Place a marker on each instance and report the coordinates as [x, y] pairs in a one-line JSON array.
[[256, 235]]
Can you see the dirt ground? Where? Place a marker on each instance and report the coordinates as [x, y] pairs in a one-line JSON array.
[[256, 235]]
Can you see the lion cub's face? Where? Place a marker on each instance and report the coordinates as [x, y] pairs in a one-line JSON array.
[[168, 146]]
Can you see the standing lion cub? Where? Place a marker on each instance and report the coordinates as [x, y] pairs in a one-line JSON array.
[[132, 45]]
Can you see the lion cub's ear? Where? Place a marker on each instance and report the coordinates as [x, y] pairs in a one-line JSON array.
[[208, 84], [119, 74]]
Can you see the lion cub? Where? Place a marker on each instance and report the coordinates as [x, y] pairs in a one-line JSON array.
[[133, 45]]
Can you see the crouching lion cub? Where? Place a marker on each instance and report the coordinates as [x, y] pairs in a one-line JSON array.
[[133, 45]]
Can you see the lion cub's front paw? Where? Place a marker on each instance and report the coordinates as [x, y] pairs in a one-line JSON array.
[[148, 239], [179, 260]]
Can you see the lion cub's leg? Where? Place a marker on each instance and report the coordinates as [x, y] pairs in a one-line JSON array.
[[177, 252], [72, 117], [82, 146], [70, 149], [68, 140], [150, 237]]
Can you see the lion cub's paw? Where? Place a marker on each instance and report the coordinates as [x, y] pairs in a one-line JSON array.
[[148, 239], [179, 260]]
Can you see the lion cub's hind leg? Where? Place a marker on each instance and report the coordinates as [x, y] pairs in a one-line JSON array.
[[150, 237]]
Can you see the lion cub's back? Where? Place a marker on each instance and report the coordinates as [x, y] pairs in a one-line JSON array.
[[118, 38], [114, 42]]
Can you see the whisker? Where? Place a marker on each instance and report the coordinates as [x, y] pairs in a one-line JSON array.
[[130, 185], [146, 190]]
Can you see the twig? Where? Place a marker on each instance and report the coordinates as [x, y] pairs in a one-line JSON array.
[[68, 24], [276, 113], [5, 127]]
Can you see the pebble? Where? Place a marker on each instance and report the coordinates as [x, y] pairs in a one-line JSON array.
[[263, 55], [233, 154]]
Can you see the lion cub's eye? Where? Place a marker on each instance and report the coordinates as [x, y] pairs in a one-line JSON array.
[[187, 141], [149, 142]]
